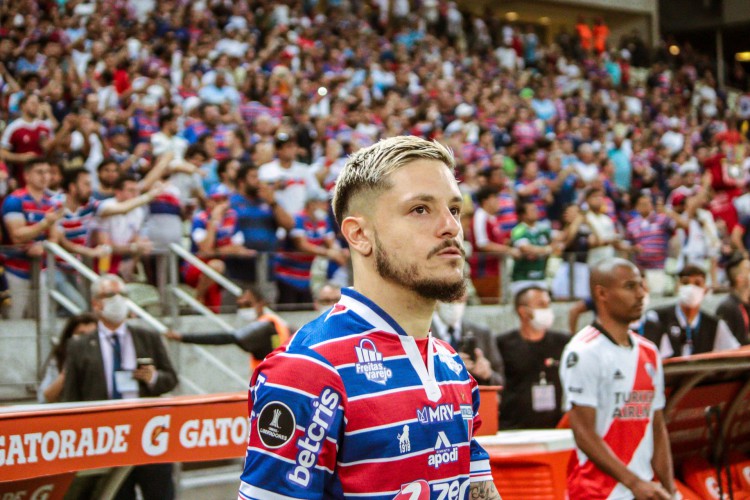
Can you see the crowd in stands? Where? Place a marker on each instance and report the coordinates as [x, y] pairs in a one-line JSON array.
[[123, 120]]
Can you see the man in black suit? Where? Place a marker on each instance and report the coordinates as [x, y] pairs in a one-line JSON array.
[[474, 343], [121, 362]]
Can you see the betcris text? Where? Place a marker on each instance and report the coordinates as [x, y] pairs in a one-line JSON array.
[[310, 444]]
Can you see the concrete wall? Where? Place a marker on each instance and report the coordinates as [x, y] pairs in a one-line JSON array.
[[18, 362]]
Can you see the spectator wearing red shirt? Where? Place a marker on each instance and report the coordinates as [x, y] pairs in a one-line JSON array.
[[490, 245], [25, 137]]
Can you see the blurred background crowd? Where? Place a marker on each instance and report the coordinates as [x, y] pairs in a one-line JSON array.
[[222, 126]]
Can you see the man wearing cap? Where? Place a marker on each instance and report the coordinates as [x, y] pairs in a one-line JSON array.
[[673, 139], [465, 123], [294, 181]]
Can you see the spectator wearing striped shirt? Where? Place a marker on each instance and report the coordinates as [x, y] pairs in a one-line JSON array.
[[649, 233], [313, 236], [258, 218], [30, 216], [214, 235]]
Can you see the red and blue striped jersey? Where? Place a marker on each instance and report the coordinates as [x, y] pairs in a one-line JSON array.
[[354, 407], [144, 127], [652, 235], [507, 218], [77, 226], [226, 233], [167, 202], [21, 204], [293, 267]]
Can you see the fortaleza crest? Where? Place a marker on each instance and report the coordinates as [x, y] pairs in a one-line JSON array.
[[370, 362]]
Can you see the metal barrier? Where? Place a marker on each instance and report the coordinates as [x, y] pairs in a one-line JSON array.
[[47, 315]]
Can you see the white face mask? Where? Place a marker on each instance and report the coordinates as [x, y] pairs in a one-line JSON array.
[[543, 319], [247, 314], [451, 312], [646, 301], [115, 309], [690, 295], [320, 214]]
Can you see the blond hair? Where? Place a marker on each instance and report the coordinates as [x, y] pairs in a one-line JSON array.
[[368, 169]]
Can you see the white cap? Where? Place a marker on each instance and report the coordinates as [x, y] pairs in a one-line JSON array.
[[464, 110]]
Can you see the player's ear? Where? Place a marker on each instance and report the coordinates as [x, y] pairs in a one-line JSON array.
[[353, 228]]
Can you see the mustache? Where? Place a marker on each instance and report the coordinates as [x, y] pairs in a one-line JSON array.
[[447, 244]]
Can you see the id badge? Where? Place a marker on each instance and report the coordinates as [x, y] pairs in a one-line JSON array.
[[125, 382], [543, 397]]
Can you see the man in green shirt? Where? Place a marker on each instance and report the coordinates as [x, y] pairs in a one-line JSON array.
[[534, 241]]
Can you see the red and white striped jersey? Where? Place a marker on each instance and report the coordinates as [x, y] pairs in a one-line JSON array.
[[356, 408], [626, 386]]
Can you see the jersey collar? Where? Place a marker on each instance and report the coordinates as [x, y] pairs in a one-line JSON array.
[[370, 311], [604, 332]]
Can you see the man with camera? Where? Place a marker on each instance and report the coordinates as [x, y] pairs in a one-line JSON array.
[[119, 361], [473, 343]]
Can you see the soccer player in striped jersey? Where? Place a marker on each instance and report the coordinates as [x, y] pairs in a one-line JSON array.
[[613, 384], [364, 402]]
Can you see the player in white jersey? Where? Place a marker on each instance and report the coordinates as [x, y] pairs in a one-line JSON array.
[[614, 389]]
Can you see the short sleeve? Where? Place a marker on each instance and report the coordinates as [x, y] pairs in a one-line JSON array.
[[579, 375], [295, 426], [480, 460], [659, 398], [724, 340], [12, 204]]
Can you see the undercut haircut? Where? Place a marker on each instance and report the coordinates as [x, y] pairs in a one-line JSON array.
[[367, 170]]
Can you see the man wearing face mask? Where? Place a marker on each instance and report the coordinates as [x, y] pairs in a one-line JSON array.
[[532, 395], [683, 328], [119, 361], [473, 343], [261, 330]]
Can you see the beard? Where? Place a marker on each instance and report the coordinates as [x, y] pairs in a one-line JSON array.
[[408, 276]]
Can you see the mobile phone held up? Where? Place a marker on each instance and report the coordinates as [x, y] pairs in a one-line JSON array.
[[469, 345]]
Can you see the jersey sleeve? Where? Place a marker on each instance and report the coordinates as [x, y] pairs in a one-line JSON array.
[[659, 398], [579, 377], [725, 340], [12, 209], [296, 424], [480, 459]]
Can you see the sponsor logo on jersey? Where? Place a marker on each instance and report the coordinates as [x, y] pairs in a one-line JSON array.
[[276, 424], [336, 309], [310, 444], [633, 405], [404, 445], [467, 412], [445, 452], [619, 375], [571, 360], [440, 413], [370, 362], [575, 390], [446, 357], [418, 490]]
